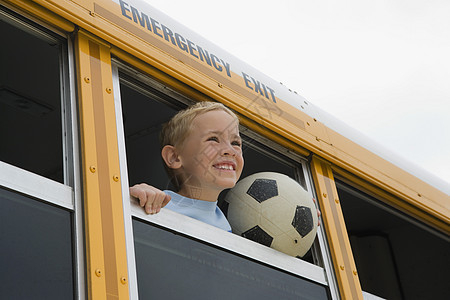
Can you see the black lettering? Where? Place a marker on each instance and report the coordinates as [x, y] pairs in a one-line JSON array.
[[124, 9], [227, 67], [191, 47], [204, 54], [168, 34], [265, 90], [155, 27], [246, 80], [143, 20], [217, 66], [181, 42], [272, 93], [257, 86]]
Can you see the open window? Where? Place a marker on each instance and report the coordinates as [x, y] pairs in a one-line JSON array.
[[169, 247], [396, 256], [30, 101], [38, 193]]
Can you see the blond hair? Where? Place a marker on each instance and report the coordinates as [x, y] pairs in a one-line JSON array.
[[179, 127], [175, 132]]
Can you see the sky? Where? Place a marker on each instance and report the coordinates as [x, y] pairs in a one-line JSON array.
[[380, 66]]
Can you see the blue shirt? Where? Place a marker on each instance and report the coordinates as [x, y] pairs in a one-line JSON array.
[[205, 211]]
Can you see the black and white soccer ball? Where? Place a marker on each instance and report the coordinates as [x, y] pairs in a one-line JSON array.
[[274, 210]]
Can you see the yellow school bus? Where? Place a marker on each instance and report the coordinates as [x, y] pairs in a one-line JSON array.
[[85, 86]]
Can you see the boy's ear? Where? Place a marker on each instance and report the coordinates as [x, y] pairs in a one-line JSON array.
[[170, 157]]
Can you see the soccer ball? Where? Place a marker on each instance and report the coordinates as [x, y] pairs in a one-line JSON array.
[[274, 210]]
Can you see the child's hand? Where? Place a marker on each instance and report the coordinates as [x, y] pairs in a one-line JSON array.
[[150, 198]]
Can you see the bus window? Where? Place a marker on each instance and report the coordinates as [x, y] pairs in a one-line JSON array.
[[142, 126], [165, 260], [396, 257], [30, 102], [171, 248], [36, 252], [38, 219]]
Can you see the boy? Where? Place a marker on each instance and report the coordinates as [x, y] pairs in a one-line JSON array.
[[202, 152]]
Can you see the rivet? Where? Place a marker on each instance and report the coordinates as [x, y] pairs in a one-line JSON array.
[[307, 123], [93, 169], [123, 280], [220, 85], [87, 79], [355, 273], [419, 195], [109, 90], [115, 178], [315, 120], [336, 200], [98, 273], [342, 267], [324, 195]]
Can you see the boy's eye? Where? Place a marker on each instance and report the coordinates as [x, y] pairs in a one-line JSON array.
[[236, 143], [213, 138]]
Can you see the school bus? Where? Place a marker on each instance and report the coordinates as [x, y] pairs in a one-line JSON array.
[[85, 86]]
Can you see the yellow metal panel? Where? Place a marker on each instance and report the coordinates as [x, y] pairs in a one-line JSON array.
[[94, 242], [398, 203], [415, 194], [274, 137], [281, 118], [87, 4], [117, 230], [195, 94], [341, 253], [43, 14], [103, 18], [105, 235]]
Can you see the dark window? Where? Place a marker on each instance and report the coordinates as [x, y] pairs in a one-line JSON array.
[[171, 266], [143, 117], [30, 102], [396, 257], [36, 249]]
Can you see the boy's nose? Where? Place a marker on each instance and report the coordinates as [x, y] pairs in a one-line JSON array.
[[228, 149]]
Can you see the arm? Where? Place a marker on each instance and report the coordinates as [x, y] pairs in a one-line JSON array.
[[149, 197]]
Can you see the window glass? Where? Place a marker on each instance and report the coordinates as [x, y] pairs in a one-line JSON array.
[[143, 117], [36, 249], [396, 257], [30, 102], [37, 226], [142, 120], [145, 107], [170, 266]]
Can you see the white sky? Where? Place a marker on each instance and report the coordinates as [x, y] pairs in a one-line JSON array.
[[381, 66]]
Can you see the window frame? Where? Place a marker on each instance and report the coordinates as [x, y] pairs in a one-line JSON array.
[[379, 201], [67, 195], [200, 231]]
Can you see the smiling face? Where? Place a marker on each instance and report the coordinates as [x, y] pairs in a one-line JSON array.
[[211, 156]]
